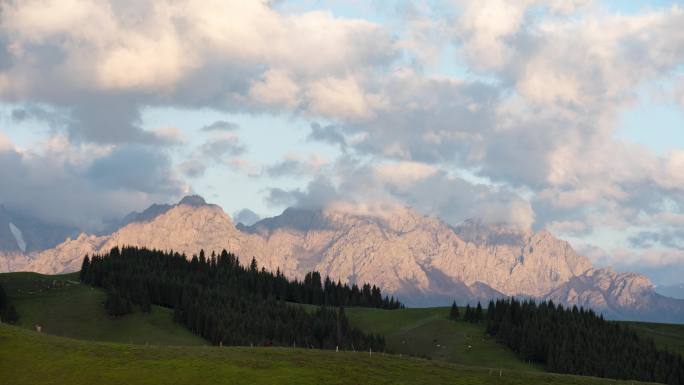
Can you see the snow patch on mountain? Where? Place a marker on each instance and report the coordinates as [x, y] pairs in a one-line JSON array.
[[18, 237]]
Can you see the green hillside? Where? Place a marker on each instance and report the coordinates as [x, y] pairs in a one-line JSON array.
[[64, 307], [30, 358], [427, 332], [665, 336]]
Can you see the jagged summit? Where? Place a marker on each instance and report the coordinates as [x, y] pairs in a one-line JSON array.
[[156, 210], [476, 231], [192, 200], [294, 219]]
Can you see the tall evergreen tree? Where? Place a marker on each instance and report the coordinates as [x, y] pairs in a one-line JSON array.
[[8, 313], [468, 316], [84, 267], [454, 313]]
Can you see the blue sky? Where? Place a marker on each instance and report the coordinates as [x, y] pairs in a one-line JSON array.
[[563, 115]]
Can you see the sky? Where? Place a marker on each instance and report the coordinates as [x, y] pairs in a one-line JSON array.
[[563, 115]]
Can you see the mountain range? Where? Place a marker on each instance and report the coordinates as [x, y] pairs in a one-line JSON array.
[[420, 259]]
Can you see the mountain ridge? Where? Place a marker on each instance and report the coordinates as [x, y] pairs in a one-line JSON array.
[[420, 259]]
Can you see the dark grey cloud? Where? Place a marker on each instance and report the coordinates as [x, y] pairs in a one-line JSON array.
[[134, 168], [55, 119], [447, 121], [671, 238], [331, 134], [221, 125], [193, 168], [58, 190], [285, 168], [221, 146], [19, 115], [318, 194], [246, 216], [109, 119], [296, 167]]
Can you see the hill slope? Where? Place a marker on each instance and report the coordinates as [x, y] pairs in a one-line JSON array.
[[64, 307], [665, 336], [427, 332], [31, 358]]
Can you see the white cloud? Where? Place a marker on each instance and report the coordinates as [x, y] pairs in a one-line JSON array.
[[484, 27], [5, 143], [155, 46], [342, 98], [276, 88], [404, 174]]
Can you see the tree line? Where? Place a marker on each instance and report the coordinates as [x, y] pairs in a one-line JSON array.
[[227, 303], [8, 313], [470, 315], [577, 341]]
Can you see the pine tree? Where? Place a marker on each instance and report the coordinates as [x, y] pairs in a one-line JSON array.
[[84, 268], [478, 313], [3, 299], [8, 313], [454, 313]]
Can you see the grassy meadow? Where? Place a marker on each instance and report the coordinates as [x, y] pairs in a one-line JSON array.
[[426, 347], [64, 307], [30, 358], [427, 332]]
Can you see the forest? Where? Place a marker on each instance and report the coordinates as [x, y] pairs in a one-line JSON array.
[[230, 304], [577, 341], [8, 312]]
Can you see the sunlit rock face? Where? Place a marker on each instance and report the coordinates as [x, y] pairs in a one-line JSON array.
[[420, 259]]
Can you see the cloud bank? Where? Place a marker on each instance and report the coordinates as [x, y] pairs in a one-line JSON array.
[[520, 128]]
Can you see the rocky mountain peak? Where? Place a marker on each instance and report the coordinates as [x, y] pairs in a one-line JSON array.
[[291, 219], [193, 200], [492, 234]]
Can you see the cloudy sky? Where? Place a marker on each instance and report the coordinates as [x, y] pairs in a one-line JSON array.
[[565, 115]]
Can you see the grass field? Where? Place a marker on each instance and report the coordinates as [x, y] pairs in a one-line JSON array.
[[427, 332], [30, 358], [64, 307], [665, 336], [458, 352]]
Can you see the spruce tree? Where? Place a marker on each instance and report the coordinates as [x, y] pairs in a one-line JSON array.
[[8, 313], [454, 313], [3, 298], [84, 268]]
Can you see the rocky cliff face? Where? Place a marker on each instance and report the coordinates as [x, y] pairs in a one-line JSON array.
[[618, 296], [422, 260]]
